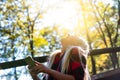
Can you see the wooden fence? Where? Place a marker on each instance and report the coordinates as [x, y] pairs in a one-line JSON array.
[[93, 53]]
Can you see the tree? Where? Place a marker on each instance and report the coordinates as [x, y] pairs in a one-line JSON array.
[[100, 26], [107, 29], [16, 28], [53, 38], [18, 33], [9, 30]]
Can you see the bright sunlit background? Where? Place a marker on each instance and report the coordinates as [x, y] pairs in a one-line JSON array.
[[62, 13]]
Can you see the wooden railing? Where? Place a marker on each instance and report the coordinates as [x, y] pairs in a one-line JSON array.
[[99, 52], [20, 62], [42, 59], [107, 75]]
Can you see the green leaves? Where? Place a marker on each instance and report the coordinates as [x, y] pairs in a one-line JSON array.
[[40, 41], [10, 1]]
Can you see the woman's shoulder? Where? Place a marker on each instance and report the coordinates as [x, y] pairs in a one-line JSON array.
[[56, 53]]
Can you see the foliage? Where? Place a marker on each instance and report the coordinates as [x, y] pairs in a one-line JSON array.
[[51, 35], [101, 27], [19, 37], [16, 30]]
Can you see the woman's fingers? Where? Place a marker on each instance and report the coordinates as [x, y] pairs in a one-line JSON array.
[[37, 63], [38, 68]]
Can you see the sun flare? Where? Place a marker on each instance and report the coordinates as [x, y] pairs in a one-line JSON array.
[[62, 13]]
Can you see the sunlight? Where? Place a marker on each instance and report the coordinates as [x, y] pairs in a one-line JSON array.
[[62, 13], [65, 16]]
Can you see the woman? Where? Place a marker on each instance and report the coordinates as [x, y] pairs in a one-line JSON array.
[[67, 64]]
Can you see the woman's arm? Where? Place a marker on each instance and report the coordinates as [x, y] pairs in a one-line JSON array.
[[35, 77], [57, 75]]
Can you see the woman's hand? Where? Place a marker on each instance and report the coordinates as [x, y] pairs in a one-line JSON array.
[[32, 71], [40, 67], [37, 69]]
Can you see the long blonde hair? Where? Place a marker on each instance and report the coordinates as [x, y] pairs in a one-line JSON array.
[[68, 44], [52, 57], [67, 57], [51, 60]]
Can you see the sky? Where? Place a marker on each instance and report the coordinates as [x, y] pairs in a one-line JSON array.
[[63, 13]]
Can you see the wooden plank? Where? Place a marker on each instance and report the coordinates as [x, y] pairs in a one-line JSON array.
[[106, 74], [99, 52], [20, 62], [104, 50]]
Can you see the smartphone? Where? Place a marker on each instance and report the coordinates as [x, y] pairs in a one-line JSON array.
[[29, 60]]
